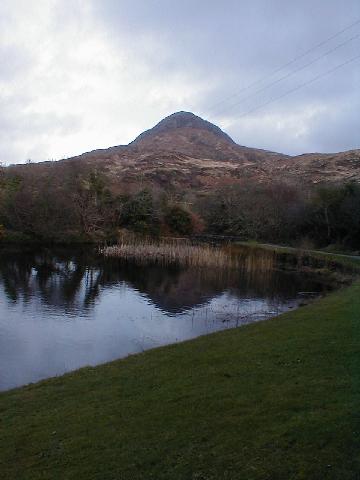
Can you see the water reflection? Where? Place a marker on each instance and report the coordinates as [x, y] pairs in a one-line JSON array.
[[60, 310]]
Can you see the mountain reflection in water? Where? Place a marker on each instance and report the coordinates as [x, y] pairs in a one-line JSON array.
[[62, 309]]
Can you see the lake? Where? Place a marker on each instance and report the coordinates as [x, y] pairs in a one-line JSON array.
[[64, 309]]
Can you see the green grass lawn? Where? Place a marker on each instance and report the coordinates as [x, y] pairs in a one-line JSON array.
[[276, 400]]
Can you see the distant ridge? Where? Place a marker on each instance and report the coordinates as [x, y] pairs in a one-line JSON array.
[[185, 152]]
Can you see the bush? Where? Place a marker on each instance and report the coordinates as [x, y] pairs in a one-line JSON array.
[[179, 220]]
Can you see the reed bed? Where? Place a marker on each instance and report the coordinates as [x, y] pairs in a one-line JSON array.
[[253, 259], [167, 253], [183, 252]]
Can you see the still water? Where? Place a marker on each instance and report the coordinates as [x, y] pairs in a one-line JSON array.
[[61, 309]]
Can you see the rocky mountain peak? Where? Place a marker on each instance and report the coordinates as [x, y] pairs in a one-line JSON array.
[[187, 122]]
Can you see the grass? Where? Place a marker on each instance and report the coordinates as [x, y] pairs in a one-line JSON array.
[[276, 400], [182, 252], [307, 259]]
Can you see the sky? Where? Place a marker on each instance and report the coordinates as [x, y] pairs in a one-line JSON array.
[[76, 75]]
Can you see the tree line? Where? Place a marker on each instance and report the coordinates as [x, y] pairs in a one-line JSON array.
[[84, 206]]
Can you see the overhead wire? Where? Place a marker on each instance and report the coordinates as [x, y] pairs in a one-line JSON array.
[[282, 67], [290, 74], [298, 87]]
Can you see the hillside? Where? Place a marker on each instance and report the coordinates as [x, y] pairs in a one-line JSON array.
[[185, 151]]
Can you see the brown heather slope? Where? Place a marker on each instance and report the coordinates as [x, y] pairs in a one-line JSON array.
[[184, 151]]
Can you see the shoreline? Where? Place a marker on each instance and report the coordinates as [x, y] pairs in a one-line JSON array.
[[242, 396]]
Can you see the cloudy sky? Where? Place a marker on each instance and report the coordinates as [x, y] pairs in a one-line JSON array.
[[76, 75]]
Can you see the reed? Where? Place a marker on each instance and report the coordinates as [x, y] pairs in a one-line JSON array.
[[253, 259], [167, 253], [183, 252]]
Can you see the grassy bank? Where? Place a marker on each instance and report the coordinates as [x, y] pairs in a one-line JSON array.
[[304, 256], [273, 400]]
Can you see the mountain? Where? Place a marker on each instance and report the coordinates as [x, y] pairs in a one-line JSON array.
[[183, 151], [186, 133], [181, 123]]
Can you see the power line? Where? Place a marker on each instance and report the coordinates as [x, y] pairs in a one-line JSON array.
[[265, 87], [260, 80], [353, 59]]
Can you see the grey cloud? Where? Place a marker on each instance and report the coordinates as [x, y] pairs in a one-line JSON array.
[[325, 133], [14, 62], [222, 46], [232, 44]]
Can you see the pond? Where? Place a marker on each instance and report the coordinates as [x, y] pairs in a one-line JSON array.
[[62, 309]]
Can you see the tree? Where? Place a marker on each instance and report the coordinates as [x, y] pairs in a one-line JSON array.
[[94, 203], [179, 220], [139, 214]]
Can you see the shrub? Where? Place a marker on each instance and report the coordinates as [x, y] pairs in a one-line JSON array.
[[179, 220]]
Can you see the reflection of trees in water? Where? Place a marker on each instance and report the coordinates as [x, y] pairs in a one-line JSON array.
[[40, 274], [16, 278], [72, 281]]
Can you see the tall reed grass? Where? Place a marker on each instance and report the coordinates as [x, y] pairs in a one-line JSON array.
[[183, 252]]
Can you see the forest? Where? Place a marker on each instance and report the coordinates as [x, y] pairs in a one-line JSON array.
[[84, 206]]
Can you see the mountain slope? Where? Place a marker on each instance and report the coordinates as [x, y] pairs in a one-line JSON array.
[[183, 151], [186, 133]]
